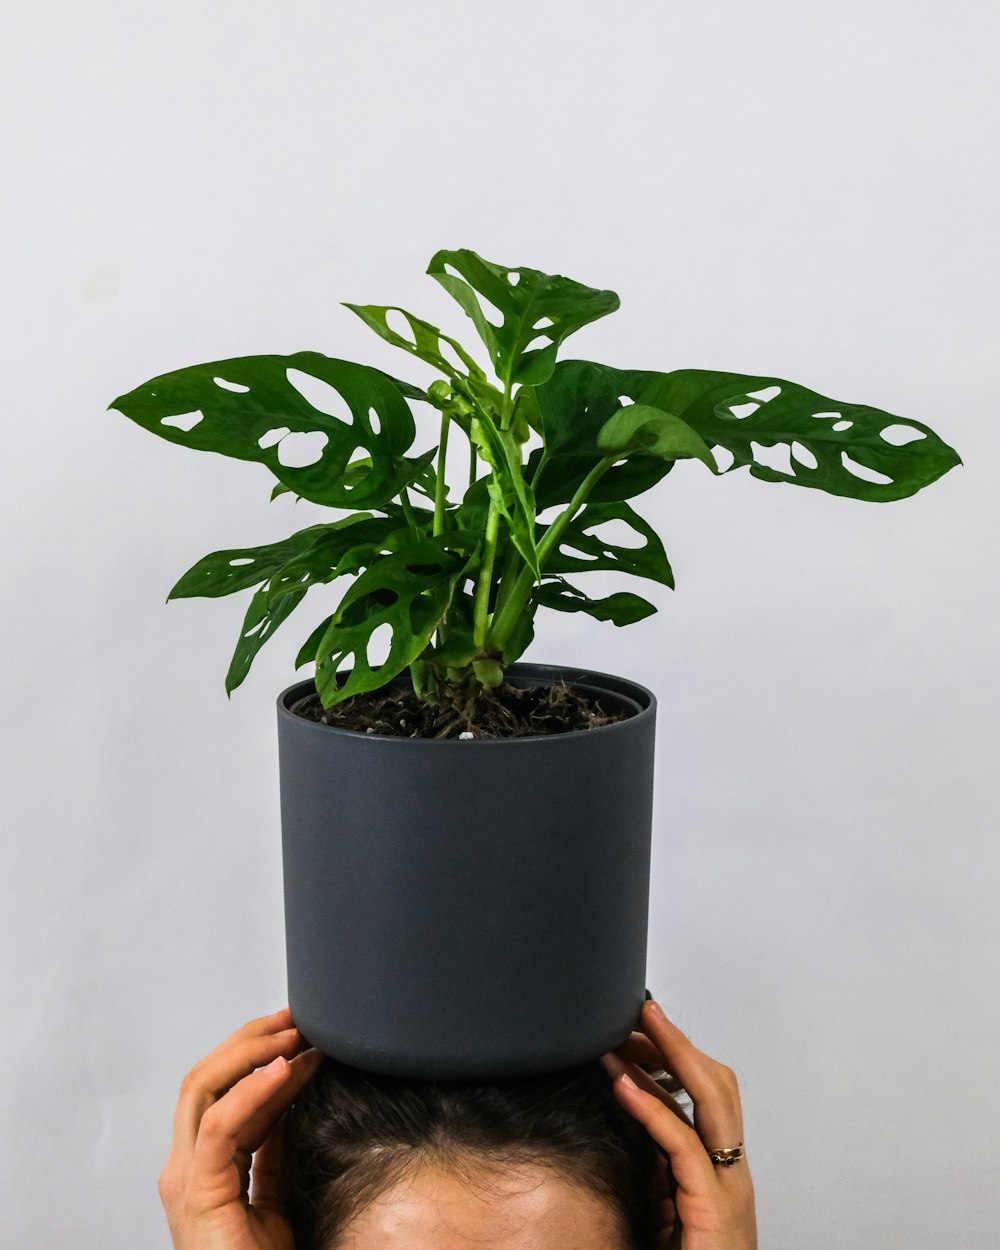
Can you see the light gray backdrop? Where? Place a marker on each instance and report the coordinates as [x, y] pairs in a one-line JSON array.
[[798, 189]]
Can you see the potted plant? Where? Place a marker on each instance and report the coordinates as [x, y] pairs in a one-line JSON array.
[[465, 837]]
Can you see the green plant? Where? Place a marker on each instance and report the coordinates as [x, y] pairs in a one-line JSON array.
[[458, 580]]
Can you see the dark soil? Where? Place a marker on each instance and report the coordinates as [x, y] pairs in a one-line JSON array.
[[507, 712]]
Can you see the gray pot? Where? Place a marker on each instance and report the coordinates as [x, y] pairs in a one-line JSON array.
[[468, 909]]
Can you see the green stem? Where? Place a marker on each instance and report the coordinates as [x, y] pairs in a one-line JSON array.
[[481, 612], [411, 519], [507, 616], [511, 560], [441, 486]]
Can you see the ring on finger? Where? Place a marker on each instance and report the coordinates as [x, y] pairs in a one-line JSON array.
[[726, 1156]]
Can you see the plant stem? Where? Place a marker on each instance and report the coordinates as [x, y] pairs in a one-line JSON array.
[[481, 612], [411, 519], [440, 485], [507, 616]]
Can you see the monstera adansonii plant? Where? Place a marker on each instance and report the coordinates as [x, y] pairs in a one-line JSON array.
[[459, 570]]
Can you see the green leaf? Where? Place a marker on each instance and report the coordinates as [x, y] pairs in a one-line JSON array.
[[249, 408], [640, 430], [623, 608], [225, 572], [569, 411], [343, 549], [530, 305], [259, 624], [648, 560], [307, 652], [735, 411], [410, 592], [426, 342]]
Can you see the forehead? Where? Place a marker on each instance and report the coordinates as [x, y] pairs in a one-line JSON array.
[[524, 1207]]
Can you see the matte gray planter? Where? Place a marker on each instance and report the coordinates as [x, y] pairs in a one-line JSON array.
[[468, 909]]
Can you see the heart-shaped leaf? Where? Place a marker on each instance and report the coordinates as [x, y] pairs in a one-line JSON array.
[[593, 551], [570, 411], [844, 449], [251, 408], [531, 307], [623, 608], [409, 591]]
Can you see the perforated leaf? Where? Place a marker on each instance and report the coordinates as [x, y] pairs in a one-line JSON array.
[[336, 553], [531, 307], [225, 572], [581, 549], [259, 625], [409, 592], [252, 408], [735, 411], [622, 608], [426, 342]]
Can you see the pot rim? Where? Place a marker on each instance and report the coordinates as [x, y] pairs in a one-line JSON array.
[[574, 676]]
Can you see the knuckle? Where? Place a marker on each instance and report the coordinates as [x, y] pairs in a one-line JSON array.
[[726, 1077], [211, 1122], [190, 1082], [168, 1186]]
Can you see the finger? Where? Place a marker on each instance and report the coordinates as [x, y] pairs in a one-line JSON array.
[[209, 1079], [269, 1190], [639, 1049], [237, 1125], [689, 1162], [653, 1086], [712, 1087]]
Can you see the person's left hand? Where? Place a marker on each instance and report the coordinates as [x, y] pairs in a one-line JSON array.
[[229, 1107]]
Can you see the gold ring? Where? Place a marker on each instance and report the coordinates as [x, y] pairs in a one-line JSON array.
[[726, 1156]]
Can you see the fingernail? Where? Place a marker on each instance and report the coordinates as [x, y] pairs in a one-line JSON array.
[[627, 1081], [277, 1065], [655, 1009]]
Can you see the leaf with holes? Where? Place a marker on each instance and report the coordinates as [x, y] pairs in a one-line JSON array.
[[622, 608], [823, 436], [581, 550], [410, 592], [570, 411], [338, 552], [256, 408], [532, 306], [426, 342], [259, 624], [225, 572]]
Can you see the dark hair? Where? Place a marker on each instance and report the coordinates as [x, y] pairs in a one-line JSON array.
[[351, 1135]]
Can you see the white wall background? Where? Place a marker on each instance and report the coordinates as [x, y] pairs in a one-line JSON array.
[[798, 189]]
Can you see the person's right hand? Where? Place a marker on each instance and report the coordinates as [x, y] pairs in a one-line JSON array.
[[229, 1107], [712, 1206]]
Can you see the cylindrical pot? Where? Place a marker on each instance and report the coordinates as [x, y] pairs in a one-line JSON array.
[[468, 909]]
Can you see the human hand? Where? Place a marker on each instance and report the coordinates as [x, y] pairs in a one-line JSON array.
[[229, 1107], [712, 1205]]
